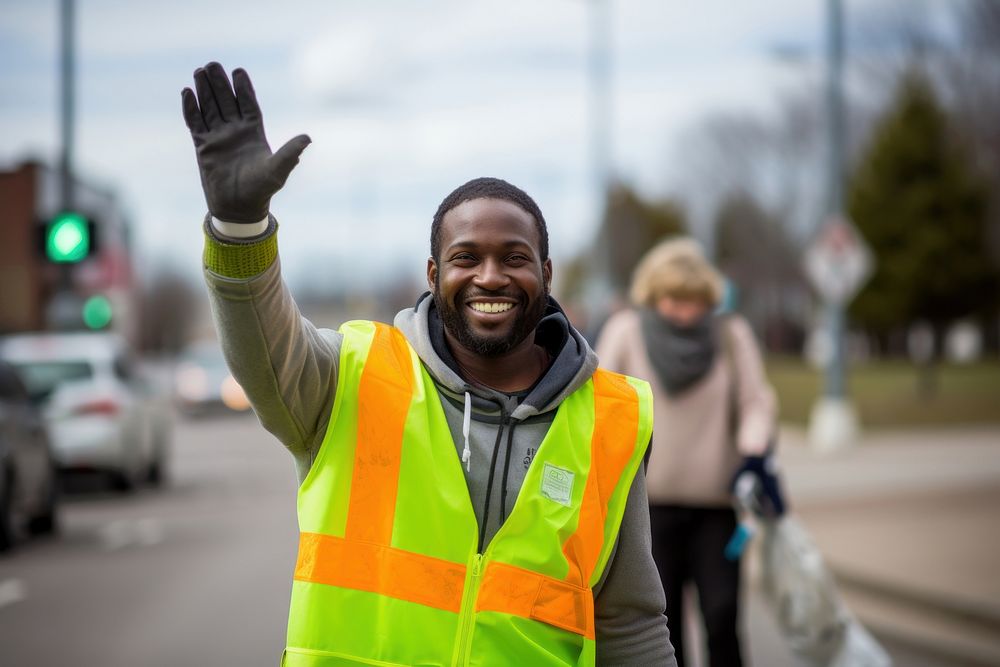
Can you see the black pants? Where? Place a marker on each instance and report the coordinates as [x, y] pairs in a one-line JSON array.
[[688, 545]]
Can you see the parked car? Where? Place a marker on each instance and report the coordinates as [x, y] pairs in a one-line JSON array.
[[29, 484], [203, 383], [102, 414]]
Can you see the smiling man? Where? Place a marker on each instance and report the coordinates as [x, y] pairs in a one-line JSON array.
[[471, 487]]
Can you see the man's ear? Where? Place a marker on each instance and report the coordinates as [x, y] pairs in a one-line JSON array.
[[432, 270], [547, 274]]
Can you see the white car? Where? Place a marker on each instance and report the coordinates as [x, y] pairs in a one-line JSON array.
[[103, 415]]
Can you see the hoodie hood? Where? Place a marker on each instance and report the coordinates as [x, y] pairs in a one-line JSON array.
[[572, 361]]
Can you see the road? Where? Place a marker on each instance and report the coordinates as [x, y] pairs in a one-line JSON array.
[[195, 574]]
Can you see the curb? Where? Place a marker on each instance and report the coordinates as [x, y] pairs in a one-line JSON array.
[[984, 615], [956, 655], [970, 617]]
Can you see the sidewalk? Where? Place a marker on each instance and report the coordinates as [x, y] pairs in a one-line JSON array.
[[908, 522]]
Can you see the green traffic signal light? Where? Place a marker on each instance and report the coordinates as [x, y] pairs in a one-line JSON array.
[[97, 312], [67, 238]]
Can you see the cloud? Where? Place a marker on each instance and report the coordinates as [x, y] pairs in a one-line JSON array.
[[403, 100]]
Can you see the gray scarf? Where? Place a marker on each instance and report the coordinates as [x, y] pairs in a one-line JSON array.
[[680, 355]]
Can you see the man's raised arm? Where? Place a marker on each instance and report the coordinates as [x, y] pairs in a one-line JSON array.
[[286, 366]]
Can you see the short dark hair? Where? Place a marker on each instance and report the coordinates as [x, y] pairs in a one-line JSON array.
[[489, 188]]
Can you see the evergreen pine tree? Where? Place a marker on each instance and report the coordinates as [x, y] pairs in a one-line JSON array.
[[917, 201]]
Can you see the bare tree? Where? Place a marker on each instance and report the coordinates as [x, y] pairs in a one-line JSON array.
[[169, 307]]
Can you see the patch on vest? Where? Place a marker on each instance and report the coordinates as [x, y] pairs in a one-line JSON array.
[[557, 484]]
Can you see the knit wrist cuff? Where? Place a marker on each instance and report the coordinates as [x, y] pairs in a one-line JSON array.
[[240, 259]]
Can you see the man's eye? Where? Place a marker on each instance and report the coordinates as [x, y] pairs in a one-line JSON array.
[[463, 257], [517, 259]]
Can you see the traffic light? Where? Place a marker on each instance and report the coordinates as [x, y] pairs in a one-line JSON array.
[[69, 238], [97, 312]]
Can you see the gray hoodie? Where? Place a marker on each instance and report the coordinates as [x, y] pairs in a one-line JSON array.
[[288, 369]]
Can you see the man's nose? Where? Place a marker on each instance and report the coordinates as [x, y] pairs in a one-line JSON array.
[[492, 275]]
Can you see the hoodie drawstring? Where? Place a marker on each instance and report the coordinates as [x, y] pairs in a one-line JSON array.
[[466, 422]]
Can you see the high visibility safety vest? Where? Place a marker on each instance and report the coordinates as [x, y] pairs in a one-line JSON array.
[[388, 571]]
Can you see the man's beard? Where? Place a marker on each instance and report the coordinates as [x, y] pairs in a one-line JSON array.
[[456, 322]]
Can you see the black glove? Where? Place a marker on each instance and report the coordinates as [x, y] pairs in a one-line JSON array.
[[239, 174], [764, 469]]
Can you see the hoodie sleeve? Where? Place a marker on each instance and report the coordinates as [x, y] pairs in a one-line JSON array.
[[630, 625], [286, 366]]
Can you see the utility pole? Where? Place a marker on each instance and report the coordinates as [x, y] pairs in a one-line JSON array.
[[838, 260], [598, 289], [599, 71]]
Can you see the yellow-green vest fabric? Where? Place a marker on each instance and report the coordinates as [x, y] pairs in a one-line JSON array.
[[388, 571]]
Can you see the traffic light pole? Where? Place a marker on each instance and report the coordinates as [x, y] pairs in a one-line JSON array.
[[64, 305], [67, 104]]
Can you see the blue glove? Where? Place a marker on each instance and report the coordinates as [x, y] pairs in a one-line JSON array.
[[764, 469]]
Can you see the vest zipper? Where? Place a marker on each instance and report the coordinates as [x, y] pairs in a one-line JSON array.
[[468, 611]]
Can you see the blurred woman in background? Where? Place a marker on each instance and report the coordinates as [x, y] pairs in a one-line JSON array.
[[714, 416]]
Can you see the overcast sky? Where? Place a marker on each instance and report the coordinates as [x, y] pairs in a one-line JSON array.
[[403, 100]]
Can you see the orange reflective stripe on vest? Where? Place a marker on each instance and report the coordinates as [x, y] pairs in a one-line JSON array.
[[519, 592], [363, 566], [616, 408], [383, 401], [334, 561]]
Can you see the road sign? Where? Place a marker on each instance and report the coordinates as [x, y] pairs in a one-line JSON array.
[[838, 262]]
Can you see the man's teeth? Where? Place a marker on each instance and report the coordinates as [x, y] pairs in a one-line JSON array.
[[491, 307]]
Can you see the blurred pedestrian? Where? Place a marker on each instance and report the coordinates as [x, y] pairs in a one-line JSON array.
[[470, 483], [715, 415]]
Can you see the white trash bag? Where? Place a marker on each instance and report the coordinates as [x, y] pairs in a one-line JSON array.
[[818, 626]]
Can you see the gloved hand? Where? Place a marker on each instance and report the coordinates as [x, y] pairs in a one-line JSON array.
[[239, 174], [764, 469]]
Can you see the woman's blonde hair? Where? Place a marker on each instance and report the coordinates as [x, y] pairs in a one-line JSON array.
[[676, 267]]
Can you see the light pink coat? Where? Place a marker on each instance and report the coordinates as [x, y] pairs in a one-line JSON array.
[[693, 454]]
